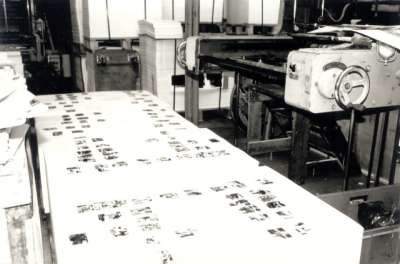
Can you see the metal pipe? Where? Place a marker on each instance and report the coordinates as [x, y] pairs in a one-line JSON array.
[[349, 150], [382, 148], [316, 162], [373, 147]]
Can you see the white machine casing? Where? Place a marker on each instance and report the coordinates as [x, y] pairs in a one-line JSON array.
[[312, 75]]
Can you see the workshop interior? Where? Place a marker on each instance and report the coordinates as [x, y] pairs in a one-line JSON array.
[[200, 131]]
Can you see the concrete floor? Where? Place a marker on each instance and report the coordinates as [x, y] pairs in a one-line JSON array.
[[322, 179]]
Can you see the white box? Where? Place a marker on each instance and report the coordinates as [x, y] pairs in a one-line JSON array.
[[254, 12], [95, 21], [158, 65]]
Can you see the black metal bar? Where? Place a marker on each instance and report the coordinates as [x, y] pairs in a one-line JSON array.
[[373, 147], [395, 151], [175, 51], [382, 148], [255, 72], [349, 150]]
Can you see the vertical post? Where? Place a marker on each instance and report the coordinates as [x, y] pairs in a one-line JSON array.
[[382, 148], [299, 149], [238, 85], [373, 147], [392, 174], [349, 149], [255, 116], [192, 19]]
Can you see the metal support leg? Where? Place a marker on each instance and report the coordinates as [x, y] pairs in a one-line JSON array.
[[191, 84], [382, 148], [299, 150], [395, 151], [349, 150], [373, 147], [255, 116], [192, 100], [268, 129]]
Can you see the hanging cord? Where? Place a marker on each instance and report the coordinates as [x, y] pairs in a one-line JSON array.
[[173, 12], [262, 14], [338, 20], [323, 8], [295, 27], [174, 96], [145, 10], [220, 95], [212, 12], [175, 59], [108, 21]]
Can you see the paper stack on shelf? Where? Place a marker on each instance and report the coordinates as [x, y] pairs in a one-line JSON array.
[[211, 11], [158, 43], [254, 12], [105, 19]]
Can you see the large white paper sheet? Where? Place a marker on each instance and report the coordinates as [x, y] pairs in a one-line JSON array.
[[131, 181]]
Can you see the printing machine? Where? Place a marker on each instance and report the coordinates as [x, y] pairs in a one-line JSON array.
[[350, 72]]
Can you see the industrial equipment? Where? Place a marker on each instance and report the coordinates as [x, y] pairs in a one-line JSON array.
[[328, 80]]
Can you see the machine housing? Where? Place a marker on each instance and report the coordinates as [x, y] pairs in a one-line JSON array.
[[313, 73]]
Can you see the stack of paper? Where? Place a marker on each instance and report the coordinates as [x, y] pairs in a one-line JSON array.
[[16, 103], [211, 11], [14, 177], [104, 19], [158, 43], [254, 12]]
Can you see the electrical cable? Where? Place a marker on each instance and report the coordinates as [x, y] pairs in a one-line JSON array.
[[212, 12], [262, 14], [145, 9], [323, 8], [220, 97], [175, 59], [173, 12], [338, 20], [108, 21], [295, 27], [174, 96]]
